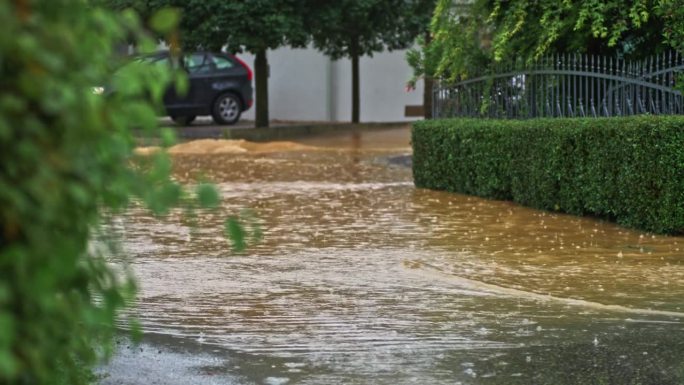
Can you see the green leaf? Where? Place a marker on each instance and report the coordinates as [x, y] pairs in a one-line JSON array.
[[165, 20], [208, 196], [136, 330], [168, 137], [8, 364], [235, 233]]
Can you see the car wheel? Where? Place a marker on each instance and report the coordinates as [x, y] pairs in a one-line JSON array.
[[183, 120], [227, 109]]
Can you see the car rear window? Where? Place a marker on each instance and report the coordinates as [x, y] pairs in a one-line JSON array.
[[222, 63], [197, 63]]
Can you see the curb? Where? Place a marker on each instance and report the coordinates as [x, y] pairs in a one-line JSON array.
[[278, 132]]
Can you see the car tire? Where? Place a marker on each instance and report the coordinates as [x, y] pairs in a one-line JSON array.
[[184, 120], [226, 109]]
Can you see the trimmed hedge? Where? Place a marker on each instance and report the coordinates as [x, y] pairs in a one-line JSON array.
[[629, 170]]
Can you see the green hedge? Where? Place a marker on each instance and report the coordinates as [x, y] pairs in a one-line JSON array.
[[630, 170]]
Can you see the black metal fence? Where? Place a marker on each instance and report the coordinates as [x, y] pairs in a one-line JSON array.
[[567, 86]]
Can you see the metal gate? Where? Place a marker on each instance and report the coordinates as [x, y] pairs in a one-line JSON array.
[[567, 86]]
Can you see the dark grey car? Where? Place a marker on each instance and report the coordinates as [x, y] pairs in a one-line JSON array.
[[220, 85]]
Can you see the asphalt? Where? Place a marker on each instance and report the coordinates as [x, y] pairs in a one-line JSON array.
[[161, 359], [204, 128], [164, 360]]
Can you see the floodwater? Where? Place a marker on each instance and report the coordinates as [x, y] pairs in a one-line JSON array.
[[361, 278]]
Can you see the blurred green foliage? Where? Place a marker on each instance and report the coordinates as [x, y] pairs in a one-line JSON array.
[[629, 170], [67, 164]]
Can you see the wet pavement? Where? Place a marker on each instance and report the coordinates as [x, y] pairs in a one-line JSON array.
[[360, 278], [204, 127]]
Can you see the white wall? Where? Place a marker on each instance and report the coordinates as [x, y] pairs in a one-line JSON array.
[[306, 85]]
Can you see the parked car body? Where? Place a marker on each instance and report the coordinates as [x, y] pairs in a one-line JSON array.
[[220, 85]]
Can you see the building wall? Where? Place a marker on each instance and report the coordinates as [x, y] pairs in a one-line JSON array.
[[305, 85]]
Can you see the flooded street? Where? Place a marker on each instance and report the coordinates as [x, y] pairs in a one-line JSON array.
[[360, 278]]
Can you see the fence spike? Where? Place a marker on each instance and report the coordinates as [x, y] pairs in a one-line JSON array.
[[587, 59], [617, 108], [564, 61], [570, 112], [586, 62], [573, 62], [540, 63], [635, 71], [651, 65], [610, 66], [606, 68], [629, 106], [640, 104]]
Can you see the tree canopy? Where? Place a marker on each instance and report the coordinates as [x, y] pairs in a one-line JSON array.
[[238, 25], [356, 28], [345, 28], [474, 35], [363, 27], [254, 26]]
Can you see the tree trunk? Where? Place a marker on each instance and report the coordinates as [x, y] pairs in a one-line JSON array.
[[356, 111], [261, 84], [427, 97], [428, 83]]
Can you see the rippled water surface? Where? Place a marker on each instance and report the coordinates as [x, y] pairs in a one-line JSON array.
[[360, 278]]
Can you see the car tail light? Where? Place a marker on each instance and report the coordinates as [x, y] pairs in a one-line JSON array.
[[250, 74]]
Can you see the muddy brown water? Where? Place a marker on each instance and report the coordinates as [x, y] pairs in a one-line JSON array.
[[361, 278]]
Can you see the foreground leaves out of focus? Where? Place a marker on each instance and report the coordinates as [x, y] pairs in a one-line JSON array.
[[65, 164]]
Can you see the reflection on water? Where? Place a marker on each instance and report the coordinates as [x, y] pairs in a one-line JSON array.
[[362, 278]]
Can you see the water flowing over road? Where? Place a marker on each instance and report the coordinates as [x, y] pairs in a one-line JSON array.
[[360, 278]]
